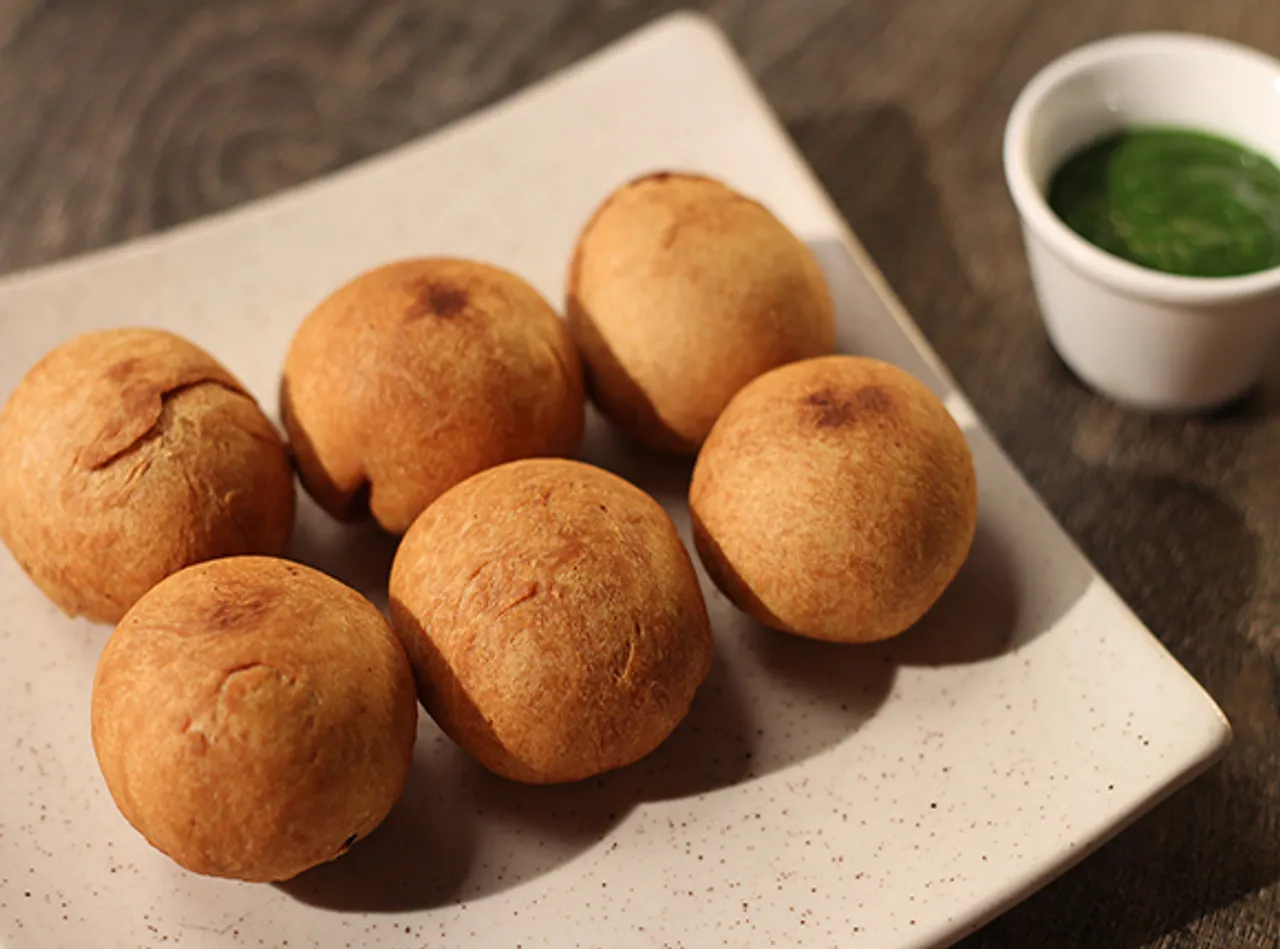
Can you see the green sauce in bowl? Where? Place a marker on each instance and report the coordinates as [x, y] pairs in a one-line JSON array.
[[1174, 200]]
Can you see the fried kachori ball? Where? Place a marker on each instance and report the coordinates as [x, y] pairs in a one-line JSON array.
[[553, 618], [420, 373], [253, 717], [835, 499], [128, 454], [680, 292]]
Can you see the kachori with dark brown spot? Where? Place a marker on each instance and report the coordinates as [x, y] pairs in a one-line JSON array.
[[835, 498], [420, 373]]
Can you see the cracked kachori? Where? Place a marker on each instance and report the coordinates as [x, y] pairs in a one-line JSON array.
[[128, 454]]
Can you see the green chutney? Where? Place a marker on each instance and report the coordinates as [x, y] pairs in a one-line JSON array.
[[1173, 200]]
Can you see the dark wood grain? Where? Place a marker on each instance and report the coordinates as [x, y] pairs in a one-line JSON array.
[[126, 117]]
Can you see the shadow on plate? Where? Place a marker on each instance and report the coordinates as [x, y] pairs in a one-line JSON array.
[[663, 476], [978, 617], [359, 555], [1023, 574], [460, 833], [417, 858], [808, 696]]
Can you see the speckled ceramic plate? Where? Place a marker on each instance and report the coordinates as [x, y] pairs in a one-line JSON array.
[[885, 797]]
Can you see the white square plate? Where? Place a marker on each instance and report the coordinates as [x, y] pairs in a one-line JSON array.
[[892, 796]]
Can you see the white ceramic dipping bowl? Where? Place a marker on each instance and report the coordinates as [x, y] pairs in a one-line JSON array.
[[1146, 339]]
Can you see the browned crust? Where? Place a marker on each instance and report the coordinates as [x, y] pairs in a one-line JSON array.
[[419, 373], [835, 498], [643, 380], [128, 454], [253, 718], [553, 619]]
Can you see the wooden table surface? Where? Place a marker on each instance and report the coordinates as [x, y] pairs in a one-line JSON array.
[[121, 117]]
